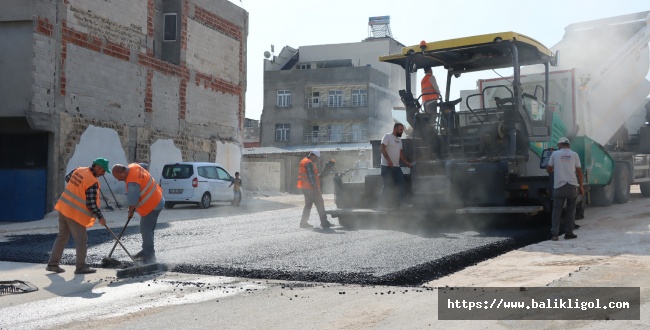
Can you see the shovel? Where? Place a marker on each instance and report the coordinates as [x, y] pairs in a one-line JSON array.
[[120, 243], [110, 262]]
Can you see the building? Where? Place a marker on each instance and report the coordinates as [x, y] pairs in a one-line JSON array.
[[144, 80], [330, 94], [251, 133]]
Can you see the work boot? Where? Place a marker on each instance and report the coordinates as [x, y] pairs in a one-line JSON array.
[[554, 238], [305, 225], [151, 259], [326, 224], [85, 270], [570, 236], [54, 268], [138, 256]]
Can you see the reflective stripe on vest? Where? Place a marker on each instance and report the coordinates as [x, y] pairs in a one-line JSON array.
[[427, 88], [67, 198], [72, 203], [303, 178], [150, 192]]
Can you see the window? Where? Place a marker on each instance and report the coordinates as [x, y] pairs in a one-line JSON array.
[[315, 99], [222, 174], [315, 130], [281, 132], [284, 98], [335, 133], [359, 97], [208, 172], [357, 133], [303, 66], [169, 33], [177, 171], [335, 99]]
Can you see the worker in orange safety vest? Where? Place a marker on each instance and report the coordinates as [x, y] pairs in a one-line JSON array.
[[78, 208], [309, 182], [430, 92], [144, 196]]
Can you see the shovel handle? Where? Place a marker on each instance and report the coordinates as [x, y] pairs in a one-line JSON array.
[[118, 241], [119, 237]]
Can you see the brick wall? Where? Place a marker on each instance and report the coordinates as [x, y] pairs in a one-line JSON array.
[[165, 102], [95, 64], [112, 90], [201, 112], [219, 58], [44, 86]]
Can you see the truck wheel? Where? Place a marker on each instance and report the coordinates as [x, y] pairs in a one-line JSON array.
[[645, 189], [169, 205], [621, 184], [602, 195]]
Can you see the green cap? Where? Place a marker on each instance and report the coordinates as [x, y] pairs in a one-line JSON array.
[[103, 163]]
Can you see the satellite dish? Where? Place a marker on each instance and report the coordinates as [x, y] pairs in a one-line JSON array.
[[267, 54]]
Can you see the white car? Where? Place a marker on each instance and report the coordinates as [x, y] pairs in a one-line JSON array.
[[196, 183]]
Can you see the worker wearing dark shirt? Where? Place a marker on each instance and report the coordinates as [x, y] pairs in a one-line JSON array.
[[78, 208]]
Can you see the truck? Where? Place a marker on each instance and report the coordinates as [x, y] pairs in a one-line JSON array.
[[486, 152]]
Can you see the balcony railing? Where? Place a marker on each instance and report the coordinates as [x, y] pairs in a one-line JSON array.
[[338, 103], [335, 137]]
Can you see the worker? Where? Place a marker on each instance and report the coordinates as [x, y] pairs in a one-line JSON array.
[[78, 208], [430, 92], [309, 182], [144, 195], [236, 188], [567, 176], [361, 167], [391, 172]]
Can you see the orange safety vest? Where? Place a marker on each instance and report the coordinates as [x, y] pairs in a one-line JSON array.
[[427, 88], [303, 179], [150, 192], [72, 203]]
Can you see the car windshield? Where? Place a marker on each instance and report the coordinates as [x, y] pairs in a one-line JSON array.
[[177, 171]]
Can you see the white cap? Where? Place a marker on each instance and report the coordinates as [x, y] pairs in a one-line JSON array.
[[563, 140], [316, 152]]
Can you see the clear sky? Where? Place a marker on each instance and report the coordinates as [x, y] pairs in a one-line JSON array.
[[307, 22]]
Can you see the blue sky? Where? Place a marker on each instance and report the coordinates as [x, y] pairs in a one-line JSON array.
[[309, 22]]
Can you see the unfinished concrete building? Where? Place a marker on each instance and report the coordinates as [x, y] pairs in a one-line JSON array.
[[330, 94], [150, 81]]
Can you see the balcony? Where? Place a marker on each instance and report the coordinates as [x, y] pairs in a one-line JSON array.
[[314, 137], [336, 103]]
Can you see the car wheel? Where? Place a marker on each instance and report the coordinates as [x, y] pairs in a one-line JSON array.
[[169, 205], [205, 201]]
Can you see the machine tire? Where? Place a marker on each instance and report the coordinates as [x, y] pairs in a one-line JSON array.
[[645, 189], [169, 205], [205, 201], [602, 195], [346, 222], [621, 184]]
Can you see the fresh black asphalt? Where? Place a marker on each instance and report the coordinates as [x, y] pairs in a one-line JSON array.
[[271, 245]]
